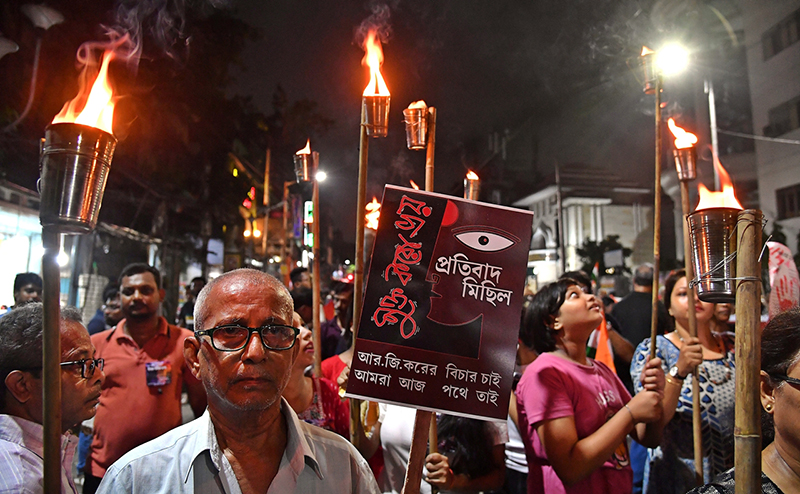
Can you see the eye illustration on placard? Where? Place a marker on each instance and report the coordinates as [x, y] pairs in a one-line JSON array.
[[485, 239]]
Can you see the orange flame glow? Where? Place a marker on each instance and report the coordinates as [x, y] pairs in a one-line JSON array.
[[646, 51], [418, 105], [472, 175], [98, 111], [414, 185], [683, 139], [373, 58], [724, 199], [373, 214], [305, 150]]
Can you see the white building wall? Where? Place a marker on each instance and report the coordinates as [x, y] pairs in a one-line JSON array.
[[772, 82]]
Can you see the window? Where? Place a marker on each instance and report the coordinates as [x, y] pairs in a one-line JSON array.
[[781, 36], [788, 200], [783, 118]]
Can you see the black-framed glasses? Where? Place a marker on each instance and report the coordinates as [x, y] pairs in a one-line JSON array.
[[783, 377], [88, 366], [232, 337]]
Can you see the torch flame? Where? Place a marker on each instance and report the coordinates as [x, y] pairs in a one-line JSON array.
[[724, 199], [418, 105], [646, 51], [98, 111], [373, 214], [305, 150], [683, 139], [373, 58], [414, 185], [472, 175]]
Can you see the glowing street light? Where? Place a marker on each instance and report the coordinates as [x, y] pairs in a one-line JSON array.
[[672, 59], [321, 176]]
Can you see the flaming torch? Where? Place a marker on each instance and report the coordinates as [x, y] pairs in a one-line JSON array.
[[374, 123], [686, 165], [75, 158], [373, 214], [722, 230], [306, 163], [420, 120], [472, 186], [376, 95]]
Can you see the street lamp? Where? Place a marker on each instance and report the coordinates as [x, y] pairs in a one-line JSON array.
[[672, 59]]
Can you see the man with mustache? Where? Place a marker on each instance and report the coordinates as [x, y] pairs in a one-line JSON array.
[[146, 372], [249, 440], [21, 431]]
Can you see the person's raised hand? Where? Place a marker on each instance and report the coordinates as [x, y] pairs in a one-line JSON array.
[[645, 407], [439, 473], [691, 355], [343, 377], [652, 377]]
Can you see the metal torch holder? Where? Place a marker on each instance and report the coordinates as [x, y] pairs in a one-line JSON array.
[[74, 164], [305, 165], [650, 73], [472, 189], [376, 115], [686, 163], [713, 236], [416, 120]]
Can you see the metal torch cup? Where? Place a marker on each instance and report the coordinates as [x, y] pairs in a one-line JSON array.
[[304, 164], [472, 189], [376, 115], [650, 73], [686, 163], [416, 120], [74, 162], [713, 236]]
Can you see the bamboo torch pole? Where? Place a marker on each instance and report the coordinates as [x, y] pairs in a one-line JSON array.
[[51, 359], [264, 241], [656, 221], [697, 433], [747, 431], [358, 276], [433, 433], [315, 280], [285, 255]]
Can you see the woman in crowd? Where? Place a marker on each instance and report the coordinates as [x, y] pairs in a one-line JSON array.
[[670, 466], [780, 399], [316, 400], [574, 413]]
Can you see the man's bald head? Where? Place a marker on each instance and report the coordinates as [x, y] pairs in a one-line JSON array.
[[246, 279]]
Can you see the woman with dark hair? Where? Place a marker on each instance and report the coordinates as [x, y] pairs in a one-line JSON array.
[[670, 466], [780, 399], [574, 413]]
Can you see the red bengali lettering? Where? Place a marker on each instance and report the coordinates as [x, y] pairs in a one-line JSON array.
[[393, 307]]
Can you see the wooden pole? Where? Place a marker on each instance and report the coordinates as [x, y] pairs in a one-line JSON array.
[[656, 223], [358, 276], [433, 434], [285, 256], [431, 148], [51, 359], [697, 433], [417, 454], [315, 280], [747, 427], [264, 240]]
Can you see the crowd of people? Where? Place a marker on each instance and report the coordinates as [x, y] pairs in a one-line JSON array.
[[590, 412]]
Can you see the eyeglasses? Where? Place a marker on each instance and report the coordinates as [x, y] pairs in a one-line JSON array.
[[88, 366], [232, 337], [783, 377]]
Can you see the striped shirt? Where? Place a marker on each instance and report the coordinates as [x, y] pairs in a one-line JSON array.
[[21, 463]]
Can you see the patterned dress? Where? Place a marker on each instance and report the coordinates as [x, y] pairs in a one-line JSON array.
[[670, 468], [726, 484], [327, 410]]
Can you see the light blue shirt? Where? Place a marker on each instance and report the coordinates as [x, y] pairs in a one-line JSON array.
[[188, 460], [21, 452]]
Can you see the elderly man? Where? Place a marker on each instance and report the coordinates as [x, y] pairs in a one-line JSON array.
[[21, 432], [249, 439]]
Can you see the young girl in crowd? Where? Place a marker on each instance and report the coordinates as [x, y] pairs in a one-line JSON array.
[[670, 467], [574, 413]]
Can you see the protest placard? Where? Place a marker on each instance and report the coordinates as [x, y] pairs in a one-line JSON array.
[[443, 298]]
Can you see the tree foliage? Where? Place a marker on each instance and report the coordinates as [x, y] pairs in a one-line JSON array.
[[591, 252]]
